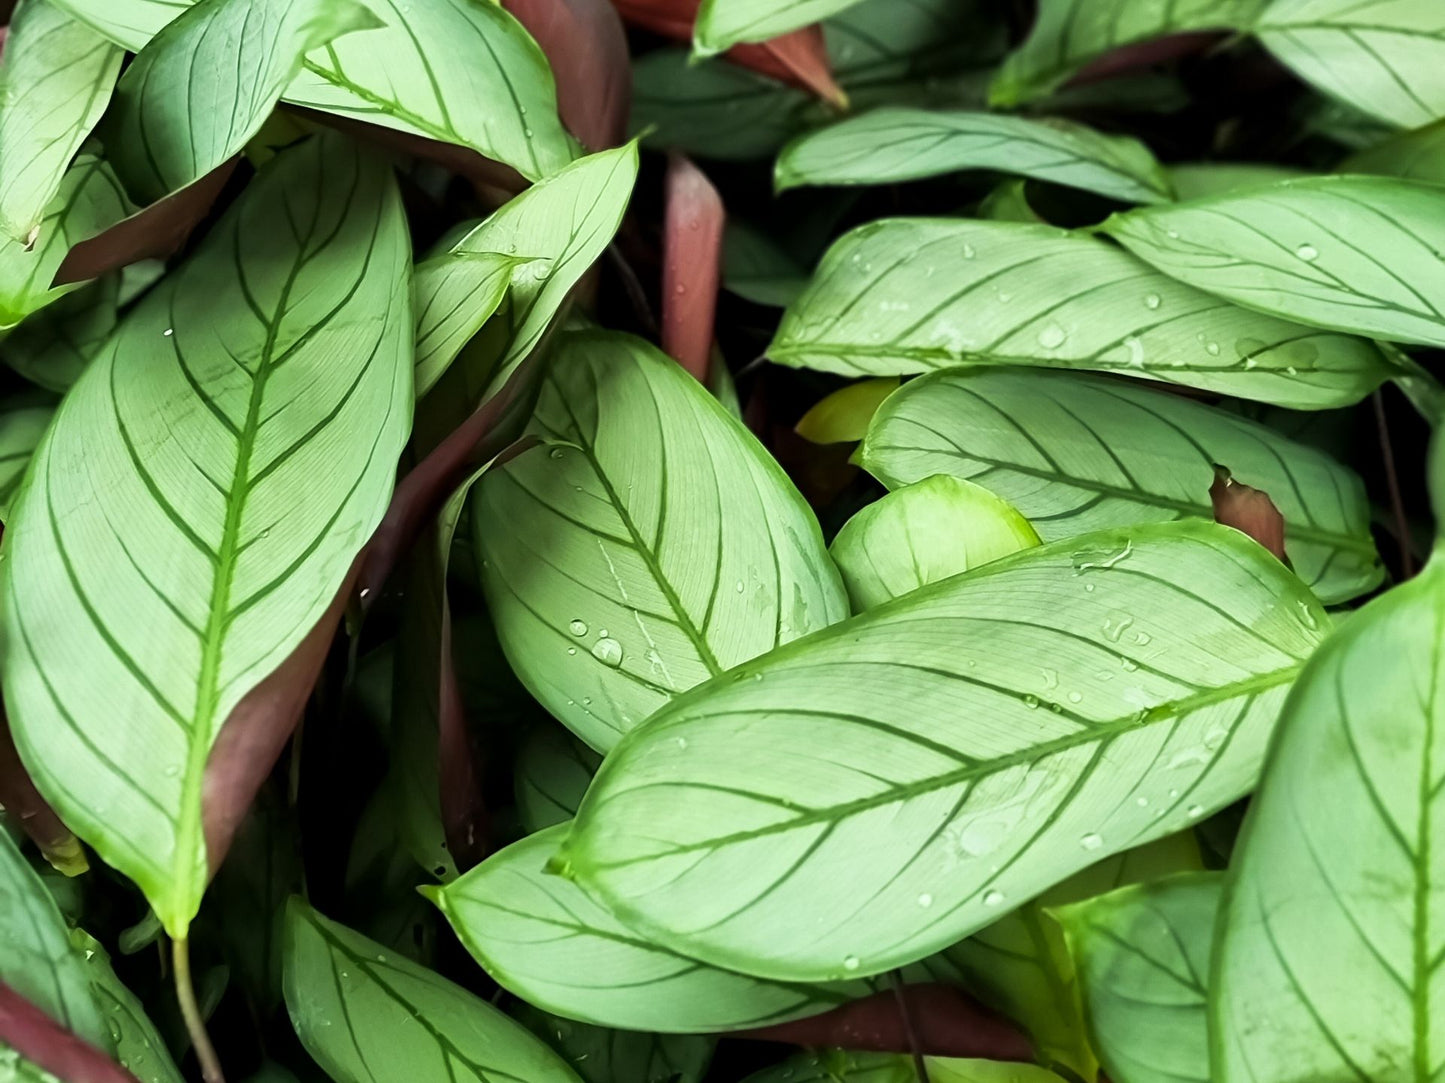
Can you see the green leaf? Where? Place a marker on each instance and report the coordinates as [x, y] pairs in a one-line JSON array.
[[1068, 34], [1198, 180], [1380, 56], [240, 435], [844, 416], [550, 235], [16, 1069], [926, 735], [168, 128], [1414, 155], [52, 347], [889, 145], [722, 24], [56, 80], [1355, 254], [913, 295], [1075, 453], [1143, 959], [1329, 955], [651, 544], [546, 940], [921, 533], [370, 1017], [23, 421], [837, 1066], [603, 1055], [135, 1042], [757, 268], [552, 773]]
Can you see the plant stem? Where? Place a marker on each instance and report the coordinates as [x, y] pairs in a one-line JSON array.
[[920, 1068], [195, 1025]]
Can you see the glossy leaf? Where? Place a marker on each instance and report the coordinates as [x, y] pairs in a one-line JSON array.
[[553, 232], [926, 735], [1339, 851], [57, 77], [206, 82], [1076, 453], [23, 421], [913, 295], [368, 1016], [650, 545], [921, 533], [531, 931], [889, 145], [1070, 34], [724, 23], [271, 409], [1143, 958], [1350, 253], [552, 773]]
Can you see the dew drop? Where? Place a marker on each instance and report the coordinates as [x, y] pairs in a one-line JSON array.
[[1194, 811], [556, 453], [925, 900], [738, 586], [1075, 697], [1143, 638], [1092, 841], [993, 898], [578, 627], [571, 650], [851, 963], [1212, 348], [168, 332], [1142, 802], [1114, 629], [1214, 738], [681, 743], [608, 651], [1052, 337], [1307, 252], [1307, 616], [1088, 588], [173, 771], [1031, 701], [968, 251], [1152, 300]]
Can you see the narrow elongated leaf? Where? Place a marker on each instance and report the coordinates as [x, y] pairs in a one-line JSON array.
[[205, 84], [553, 232], [368, 1016], [23, 421], [1076, 453], [239, 437], [1339, 850], [1143, 959], [926, 735], [530, 930], [888, 145], [1350, 253], [650, 545], [57, 77], [1379, 56], [723, 23], [1069, 34], [913, 295], [553, 772], [1414, 155], [921, 533]]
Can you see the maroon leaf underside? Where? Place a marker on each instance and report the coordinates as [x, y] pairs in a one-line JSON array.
[[691, 265], [1145, 54], [44, 1042], [1249, 511], [20, 798]]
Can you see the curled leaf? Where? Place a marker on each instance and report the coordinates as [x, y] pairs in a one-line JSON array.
[[692, 265], [1249, 510]]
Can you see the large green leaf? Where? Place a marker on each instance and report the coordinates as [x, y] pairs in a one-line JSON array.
[[423, 72], [916, 294], [925, 772], [547, 941], [368, 1016], [1328, 965], [888, 145], [650, 544], [722, 24], [23, 421], [134, 1039], [56, 80], [549, 236], [1413, 155], [837, 1066], [552, 773], [1068, 34], [1143, 959], [1355, 254], [52, 347], [1381, 56], [1075, 453], [215, 470], [605, 1055], [168, 128]]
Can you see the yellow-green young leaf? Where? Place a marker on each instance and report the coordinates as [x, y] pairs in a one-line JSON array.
[[722, 24], [198, 500], [544, 939], [56, 80], [921, 533], [913, 295], [1009, 202], [1068, 34], [550, 234], [838, 1066], [1142, 954], [649, 544], [1382, 57], [1357, 254], [23, 421], [553, 771], [1075, 453], [1413, 155], [844, 416], [899, 733], [370, 1016], [206, 82], [888, 145], [1196, 180], [1341, 852]]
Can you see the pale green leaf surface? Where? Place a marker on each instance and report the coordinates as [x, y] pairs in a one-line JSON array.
[[889, 145], [722, 24], [898, 739], [216, 469], [56, 77], [1414, 155], [137, 1045], [1143, 958], [51, 348], [369, 1016], [1075, 453], [912, 295], [206, 82], [455, 296], [1198, 180], [23, 421], [938, 527], [605, 1055], [553, 771], [1329, 960], [1009, 202], [652, 544], [1358, 254], [544, 939]]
